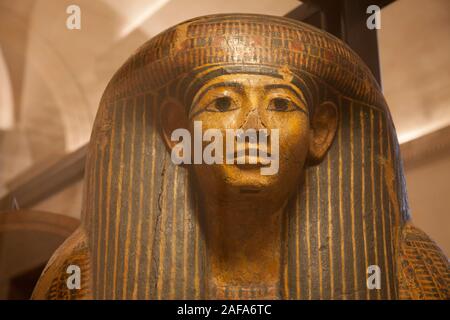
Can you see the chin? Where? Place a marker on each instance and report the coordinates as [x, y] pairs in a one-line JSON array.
[[249, 180]]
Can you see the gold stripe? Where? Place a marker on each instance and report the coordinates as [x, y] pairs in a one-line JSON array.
[[163, 235], [392, 229], [108, 209], [372, 174], [318, 232], [341, 210], [185, 233], [330, 241], [363, 196], [130, 202], [308, 240], [141, 202], [386, 264], [152, 213], [196, 257], [352, 202], [118, 203], [174, 235], [99, 221], [285, 238]]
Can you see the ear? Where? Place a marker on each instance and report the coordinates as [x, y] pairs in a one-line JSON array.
[[172, 117], [323, 129]]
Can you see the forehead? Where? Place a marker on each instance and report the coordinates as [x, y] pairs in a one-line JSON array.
[[247, 81]]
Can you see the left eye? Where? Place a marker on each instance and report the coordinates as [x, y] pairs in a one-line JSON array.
[[281, 105], [221, 104]]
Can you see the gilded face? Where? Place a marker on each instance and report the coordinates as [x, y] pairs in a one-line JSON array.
[[246, 102]]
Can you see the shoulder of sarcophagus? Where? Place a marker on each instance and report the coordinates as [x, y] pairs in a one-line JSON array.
[[70, 259], [423, 268]]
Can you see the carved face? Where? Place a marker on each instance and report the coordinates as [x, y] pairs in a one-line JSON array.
[[257, 102]]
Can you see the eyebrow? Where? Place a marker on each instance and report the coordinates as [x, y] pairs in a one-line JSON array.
[[236, 85], [240, 88], [288, 87]]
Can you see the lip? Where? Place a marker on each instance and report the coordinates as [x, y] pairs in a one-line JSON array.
[[251, 162], [248, 166], [246, 154], [248, 161]]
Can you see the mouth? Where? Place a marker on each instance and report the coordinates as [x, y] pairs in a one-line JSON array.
[[249, 190], [250, 158], [248, 166]]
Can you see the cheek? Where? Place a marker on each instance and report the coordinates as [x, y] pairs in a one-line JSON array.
[[294, 139]]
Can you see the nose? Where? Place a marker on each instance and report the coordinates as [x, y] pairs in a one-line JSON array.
[[253, 121]]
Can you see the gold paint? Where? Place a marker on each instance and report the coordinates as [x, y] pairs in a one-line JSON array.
[[330, 224], [118, 211], [385, 252], [180, 37], [319, 233], [393, 203], [141, 203], [185, 235], [197, 261], [363, 196], [308, 241], [390, 181], [341, 210], [130, 203], [372, 175], [174, 233], [151, 204], [352, 200], [285, 275], [99, 224], [286, 73], [163, 239], [108, 206]]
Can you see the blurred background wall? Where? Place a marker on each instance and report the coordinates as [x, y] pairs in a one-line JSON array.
[[414, 48]]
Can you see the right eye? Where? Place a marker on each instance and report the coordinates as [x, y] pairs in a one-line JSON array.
[[282, 105], [221, 104]]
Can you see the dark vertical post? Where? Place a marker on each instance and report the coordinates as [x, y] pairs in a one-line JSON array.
[[346, 19]]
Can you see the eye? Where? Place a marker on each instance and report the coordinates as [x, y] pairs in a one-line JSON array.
[[222, 104], [281, 105]]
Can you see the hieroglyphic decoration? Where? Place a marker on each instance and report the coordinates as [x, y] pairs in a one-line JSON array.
[[423, 268], [142, 213], [55, 276]]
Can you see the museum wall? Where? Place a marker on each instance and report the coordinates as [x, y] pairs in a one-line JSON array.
[[415, 66]]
